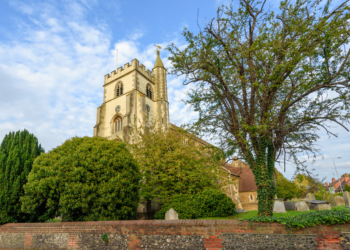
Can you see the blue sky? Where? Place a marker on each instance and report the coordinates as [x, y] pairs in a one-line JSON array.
[[54, 55]]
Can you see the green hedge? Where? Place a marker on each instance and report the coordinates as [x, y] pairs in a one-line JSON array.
[[209, 203], [308, 220]]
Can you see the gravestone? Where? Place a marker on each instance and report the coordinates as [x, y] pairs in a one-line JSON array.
[[310, 197], [338, 201], [296, 205], [289, 205], [279, 207], [171, 215], [346, 196], [301, 206], [319, 205]]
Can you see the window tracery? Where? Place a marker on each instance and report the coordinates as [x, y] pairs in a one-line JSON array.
[[118, 124], [149, 91], [119, 89]]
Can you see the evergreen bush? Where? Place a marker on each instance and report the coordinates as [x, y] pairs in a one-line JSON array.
[[85, 179], [208, 203], [17, 153]]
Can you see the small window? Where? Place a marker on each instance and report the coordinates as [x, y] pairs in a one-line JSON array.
[[118, 124], [119, 89], [251, 198], [149, 91]]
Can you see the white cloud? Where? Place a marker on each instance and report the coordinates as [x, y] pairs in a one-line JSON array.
[[51, 78]]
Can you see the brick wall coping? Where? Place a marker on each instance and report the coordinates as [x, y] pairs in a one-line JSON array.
[[204, 223], [136, 223]]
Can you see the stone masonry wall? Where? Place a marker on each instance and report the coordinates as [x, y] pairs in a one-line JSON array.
[[171, 235]]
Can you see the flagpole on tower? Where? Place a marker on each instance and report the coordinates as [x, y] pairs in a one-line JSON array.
[[116, 56]]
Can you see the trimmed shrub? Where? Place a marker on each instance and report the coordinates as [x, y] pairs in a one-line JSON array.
[[209, 203], [84, 179]]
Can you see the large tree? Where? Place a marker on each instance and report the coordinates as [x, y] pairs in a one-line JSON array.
[[17, 153], [267, 82]]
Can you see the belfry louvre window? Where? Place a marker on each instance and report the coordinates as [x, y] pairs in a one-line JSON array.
[[118, 124], [149, 91], [119, 90]]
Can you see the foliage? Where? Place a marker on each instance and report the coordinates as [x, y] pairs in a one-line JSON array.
[[209, 203], [325, 193], [84, 179], [265, 83], [307, 184], [285, 188], [318, 196], [105, 238], [311, 219], [347, 188], [17, 153], [174, 162]]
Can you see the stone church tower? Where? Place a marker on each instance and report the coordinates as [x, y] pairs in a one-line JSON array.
[[133, 95]]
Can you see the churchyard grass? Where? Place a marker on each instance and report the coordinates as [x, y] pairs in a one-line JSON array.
[[251, 214]]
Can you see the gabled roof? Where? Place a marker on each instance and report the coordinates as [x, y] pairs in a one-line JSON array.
[[246, 176], [341, 181]]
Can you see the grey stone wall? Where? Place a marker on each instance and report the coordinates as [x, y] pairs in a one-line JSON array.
[[172, 242], [345, 243], [95, 242], [11, 240], [268, 241], [50, 241]]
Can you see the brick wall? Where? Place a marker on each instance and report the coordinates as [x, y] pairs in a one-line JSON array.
[[180, 234]]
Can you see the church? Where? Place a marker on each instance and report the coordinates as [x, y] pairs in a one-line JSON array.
[[134, 93]]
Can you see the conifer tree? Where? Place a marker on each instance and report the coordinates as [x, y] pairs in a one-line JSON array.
[[17, 153]]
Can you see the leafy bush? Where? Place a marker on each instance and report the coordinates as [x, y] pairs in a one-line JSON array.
[[172, 163], [308, 220], [209, 203], [84, 179], [347, 188], [318, 196], [17, 153], [285, 188]]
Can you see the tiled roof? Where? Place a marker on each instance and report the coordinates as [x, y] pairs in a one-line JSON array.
[[246, 176], [342, 181]]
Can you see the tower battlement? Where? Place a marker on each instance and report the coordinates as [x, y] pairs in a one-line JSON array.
[[135, 65]]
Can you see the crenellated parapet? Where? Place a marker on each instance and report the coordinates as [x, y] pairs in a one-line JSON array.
[[121, 71]]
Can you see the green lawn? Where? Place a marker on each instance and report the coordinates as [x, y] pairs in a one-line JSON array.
[[251, 214]]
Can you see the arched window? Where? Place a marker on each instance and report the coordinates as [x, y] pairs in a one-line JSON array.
[[118, 124], [119, 89], [251, 198], [149, 91]]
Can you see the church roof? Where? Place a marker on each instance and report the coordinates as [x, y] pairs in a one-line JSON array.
[[242, 169], [159, 62]]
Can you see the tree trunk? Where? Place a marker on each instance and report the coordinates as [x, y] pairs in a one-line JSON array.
[[263, 172]]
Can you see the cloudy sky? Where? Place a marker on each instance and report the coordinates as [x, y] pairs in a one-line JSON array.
[[54, 55]]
